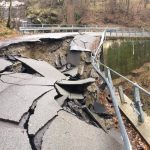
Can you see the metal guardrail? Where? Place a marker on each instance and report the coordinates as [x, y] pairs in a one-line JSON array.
[[106, 76], [127, 144], [108, 81], [111, 31]]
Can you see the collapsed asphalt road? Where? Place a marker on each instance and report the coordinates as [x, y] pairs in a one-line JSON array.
[[44, 108]]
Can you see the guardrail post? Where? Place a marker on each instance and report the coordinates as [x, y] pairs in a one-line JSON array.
[[121, 94], [138, 104], [109, 76]]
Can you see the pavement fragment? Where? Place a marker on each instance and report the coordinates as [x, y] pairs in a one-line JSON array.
[[16, 100], [67, 132], [84, 42], [77, 82], [8, 78], [70, 95], [4, 64], [43, 68], [46, 109], [61, 100], [13, 138]]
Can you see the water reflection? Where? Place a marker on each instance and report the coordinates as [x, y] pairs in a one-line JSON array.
[[126, 55]]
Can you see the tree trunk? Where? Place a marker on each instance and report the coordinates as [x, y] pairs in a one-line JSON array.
[[145, 3], [128, 6], [9, 15], [69, 11]]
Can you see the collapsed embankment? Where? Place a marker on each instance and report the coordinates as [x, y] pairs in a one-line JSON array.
[[57, 53]]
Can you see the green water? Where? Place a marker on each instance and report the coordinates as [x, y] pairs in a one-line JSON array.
[[126, 55]]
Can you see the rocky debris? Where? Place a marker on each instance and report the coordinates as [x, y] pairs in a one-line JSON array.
[[67, 132], [4, 64], [46, 109], [13, 138]]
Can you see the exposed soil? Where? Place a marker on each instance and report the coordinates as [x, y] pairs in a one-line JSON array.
[[142, 77]]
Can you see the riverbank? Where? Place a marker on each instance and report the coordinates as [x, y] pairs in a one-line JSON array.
[[142, 77]]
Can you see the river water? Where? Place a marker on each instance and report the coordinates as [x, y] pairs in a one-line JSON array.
[[126, 55]]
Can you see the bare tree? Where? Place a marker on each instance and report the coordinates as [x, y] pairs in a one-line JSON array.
[[145, 3], [69, 11], [9, 14]]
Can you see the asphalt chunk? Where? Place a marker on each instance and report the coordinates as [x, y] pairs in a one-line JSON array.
[[68, 132], [16, 100], [13, 138], [45, 110]]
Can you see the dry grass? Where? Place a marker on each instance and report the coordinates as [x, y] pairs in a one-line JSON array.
[[6, 32]]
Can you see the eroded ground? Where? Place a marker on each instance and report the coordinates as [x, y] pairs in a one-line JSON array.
[[46, 112]]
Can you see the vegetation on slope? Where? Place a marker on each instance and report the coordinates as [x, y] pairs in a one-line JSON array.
[[6, 32], [108, 12]]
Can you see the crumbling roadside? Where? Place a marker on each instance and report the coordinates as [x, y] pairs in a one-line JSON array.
[[71, 91]]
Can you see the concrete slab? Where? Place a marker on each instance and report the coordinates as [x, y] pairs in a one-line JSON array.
[[45, 110], [12, 138], [43, 68], [67, 132], [16, 100], [4, 64]]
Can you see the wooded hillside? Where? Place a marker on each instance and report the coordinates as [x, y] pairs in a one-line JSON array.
[[100, 12]]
